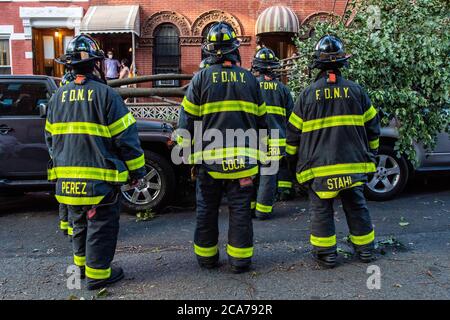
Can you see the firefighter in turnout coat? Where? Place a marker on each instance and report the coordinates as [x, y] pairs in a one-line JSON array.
[[94, 148], [220, 97], [279, 106], [332, 140]]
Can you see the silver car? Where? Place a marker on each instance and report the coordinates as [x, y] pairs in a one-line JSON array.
[[393, 172]]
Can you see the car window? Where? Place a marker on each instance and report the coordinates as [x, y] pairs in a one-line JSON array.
[[22, 98]]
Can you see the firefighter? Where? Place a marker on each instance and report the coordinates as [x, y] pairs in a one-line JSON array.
[[279, 106], [94, 147], [220, 97], [333, 136]]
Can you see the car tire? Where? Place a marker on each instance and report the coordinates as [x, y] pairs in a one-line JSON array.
[[159, 172], [391, 176]]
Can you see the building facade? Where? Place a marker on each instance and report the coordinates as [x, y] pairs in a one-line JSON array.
[[157, 36]]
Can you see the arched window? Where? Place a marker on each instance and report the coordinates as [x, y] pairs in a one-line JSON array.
[[166, 52]]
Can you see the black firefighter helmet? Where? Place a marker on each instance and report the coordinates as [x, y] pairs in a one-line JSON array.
[[329, 52], [221, 40], [80, 50], [265, 61]]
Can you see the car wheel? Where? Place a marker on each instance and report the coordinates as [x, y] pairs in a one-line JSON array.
[[390, 178], [157, 189]]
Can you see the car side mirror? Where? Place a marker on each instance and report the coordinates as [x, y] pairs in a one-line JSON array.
[[43, 110]]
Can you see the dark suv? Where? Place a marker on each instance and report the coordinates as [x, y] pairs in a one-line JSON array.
[[24, 156]]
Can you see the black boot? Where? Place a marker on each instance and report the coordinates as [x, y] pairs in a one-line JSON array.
[[327, 260], [116, 275], [365, 255], [208, 263], [263, 216], [239, 269]]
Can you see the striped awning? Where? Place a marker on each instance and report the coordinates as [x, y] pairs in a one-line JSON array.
[[111, 19], [277, 19]]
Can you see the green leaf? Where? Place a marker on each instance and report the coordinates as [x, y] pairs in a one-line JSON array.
[[102, 293]]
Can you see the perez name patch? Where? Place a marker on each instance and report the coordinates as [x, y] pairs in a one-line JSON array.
[[73, 188]]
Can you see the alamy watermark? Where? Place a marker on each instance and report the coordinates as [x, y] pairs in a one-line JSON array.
[[231, 149], [73, 281], [374, 280]]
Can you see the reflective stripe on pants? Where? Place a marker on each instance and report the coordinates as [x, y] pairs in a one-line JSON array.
[[323, 234], [95, 238], [240, 233]]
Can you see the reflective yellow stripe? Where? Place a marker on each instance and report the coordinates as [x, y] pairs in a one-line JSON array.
[[292, 150], [98, 274], [137, 163], [263, 208], [122, 124], [370, 114], [190, 108], [296, 121], [89, 173], [253, 205], [336, 169], [79, 261], [233, 105], [323, 241], [240, 253], [223, 153], [89, 128], [63, 225], [79, 201], [206, 252], [48, 126], [285, 184], [374, 144], [277, 142], [334, 194], [276, 110], [70, 231], [235, 175], [348, 120], [363, 240]]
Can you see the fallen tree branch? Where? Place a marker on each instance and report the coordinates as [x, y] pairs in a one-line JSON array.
[[153, 77]]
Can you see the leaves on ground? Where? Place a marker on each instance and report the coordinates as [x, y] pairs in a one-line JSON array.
[[145, 216], [102, 293], [403, 222], [346, 254]]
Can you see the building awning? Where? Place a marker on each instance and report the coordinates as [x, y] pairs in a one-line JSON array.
[[111, 19], [277, 19]]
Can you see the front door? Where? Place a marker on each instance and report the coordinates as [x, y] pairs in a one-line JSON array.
[[49, 44]]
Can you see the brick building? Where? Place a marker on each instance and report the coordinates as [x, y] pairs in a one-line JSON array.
[[159, 36], [33, 33]]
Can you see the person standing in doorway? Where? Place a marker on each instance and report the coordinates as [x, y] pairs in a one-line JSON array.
[[112, 67]]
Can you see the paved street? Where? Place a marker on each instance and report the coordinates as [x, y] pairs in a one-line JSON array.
[[159, 262]]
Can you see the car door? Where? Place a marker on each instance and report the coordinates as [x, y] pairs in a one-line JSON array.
[[439, 158], [23, 153]]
